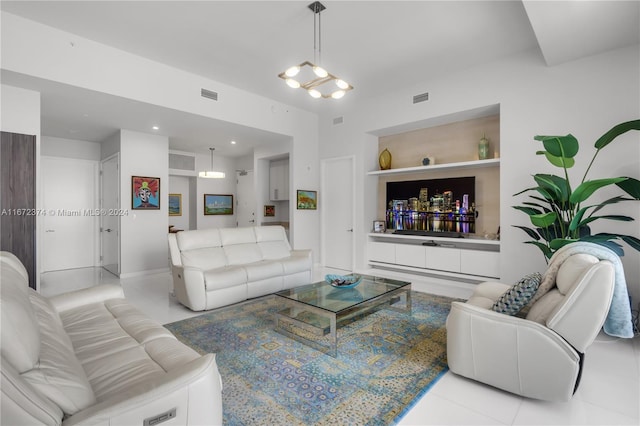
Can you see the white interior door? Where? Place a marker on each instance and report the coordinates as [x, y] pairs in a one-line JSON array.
[[109, 219], [70, 226], [246, 199], [337, 211]]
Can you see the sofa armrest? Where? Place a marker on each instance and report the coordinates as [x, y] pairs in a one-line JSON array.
[[194, 390], [64, 302], [301, 253], [510, 353]]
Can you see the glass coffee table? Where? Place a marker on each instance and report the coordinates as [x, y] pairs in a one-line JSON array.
[[312, 313]]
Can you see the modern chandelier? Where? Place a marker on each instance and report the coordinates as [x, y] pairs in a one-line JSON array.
[[211, 174], [311, 77]]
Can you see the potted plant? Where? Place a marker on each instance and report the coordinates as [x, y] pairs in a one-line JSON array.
[[558, 210]]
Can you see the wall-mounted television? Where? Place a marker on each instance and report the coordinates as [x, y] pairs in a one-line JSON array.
[[442, 207]]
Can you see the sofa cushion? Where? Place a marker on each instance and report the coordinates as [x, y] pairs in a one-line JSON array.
[[513, 300], [258, 271], [58, 374], [273, 242], [19, 331], [240, 254], [228, 276], [204, 258], [197, 239], [295, 264], [571, 269], [541, 310], [486, 294], [232, 236]]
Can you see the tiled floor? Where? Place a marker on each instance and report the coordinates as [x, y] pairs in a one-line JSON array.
[[609, 393]]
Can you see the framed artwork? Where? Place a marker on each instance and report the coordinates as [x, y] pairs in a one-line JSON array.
[[379, 226], [269, 211], [306, 200], [216, 204], [145, 193], [175, 204]]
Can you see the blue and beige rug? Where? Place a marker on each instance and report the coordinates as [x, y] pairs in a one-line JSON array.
[[386, 361]]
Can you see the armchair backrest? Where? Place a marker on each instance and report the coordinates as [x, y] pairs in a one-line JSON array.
[[577, 307]]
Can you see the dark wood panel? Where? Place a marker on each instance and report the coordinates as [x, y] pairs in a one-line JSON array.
[[18, 199]]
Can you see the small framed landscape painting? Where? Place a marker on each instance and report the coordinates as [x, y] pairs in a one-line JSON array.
[[215, 204], [175, 204], [269, 211], [145, 193], [307, 200]]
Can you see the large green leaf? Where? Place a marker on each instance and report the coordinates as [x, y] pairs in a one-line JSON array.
[[554, 183], [610, 201], [585, 189], [532, 233], [632, 241], [619, 218], [560, 146], [528, 210], [535, 188], [631, 186], [543, 247], [562, 162], [616, 131], [543, 220], [561, 242]]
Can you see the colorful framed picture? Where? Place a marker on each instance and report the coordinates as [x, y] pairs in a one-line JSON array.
[[269, 211], [145, 193], [306, 200], [175, 204], [215, 204]]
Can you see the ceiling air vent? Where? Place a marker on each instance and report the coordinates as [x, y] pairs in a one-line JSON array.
[[182, 162], [210, 94], [338, 120], [421, 98]]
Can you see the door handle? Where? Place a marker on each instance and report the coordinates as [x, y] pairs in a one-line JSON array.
[[252, 221], [350, 230], [50, 230], [108, 230]]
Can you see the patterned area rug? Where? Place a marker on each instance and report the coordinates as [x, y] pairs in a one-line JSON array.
[[386, 361]]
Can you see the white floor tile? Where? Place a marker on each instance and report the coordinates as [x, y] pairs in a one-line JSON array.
[[433, 409], [486, 400], [575, 412]]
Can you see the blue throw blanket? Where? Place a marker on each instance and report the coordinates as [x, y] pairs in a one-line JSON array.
[[618, 322]]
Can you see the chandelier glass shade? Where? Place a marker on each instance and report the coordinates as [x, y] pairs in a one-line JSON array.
[[313, 78], [211, 174]]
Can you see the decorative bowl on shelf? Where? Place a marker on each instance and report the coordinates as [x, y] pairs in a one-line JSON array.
[[343, 281]]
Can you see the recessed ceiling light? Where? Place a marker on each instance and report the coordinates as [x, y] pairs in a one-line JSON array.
[[156, 128], [233, 142]]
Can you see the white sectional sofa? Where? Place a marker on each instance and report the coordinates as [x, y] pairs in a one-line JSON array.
[[220, 266], [89, 357]]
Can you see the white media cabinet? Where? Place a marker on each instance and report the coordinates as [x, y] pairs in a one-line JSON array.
[[474, 259]]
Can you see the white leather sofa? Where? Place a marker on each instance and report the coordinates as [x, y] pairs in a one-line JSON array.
[[540, 356], [89, 357], [220, 266]]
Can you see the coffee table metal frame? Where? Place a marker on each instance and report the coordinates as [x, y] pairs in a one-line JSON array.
[[319, 318]]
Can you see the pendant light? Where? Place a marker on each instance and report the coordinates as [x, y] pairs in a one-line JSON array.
[[211, 174], [320, 83]]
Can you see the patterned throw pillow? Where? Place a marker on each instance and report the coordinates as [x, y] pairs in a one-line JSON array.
[[519, 295]]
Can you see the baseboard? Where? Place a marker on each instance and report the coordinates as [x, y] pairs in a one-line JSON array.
[[141, 273]]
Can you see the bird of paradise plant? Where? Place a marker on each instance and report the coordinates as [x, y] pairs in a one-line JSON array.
[[558, 211]]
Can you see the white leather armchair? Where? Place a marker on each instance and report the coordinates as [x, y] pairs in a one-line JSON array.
[[540, 356]]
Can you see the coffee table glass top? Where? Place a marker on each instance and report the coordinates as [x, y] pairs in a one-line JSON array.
[[334, 299]]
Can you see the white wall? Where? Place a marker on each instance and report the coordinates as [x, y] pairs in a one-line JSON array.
[[70, 148], [585, 97], [98, 67], [20, 113], [143, 238]]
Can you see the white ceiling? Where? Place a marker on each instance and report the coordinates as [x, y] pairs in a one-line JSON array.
[[247, 43]]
